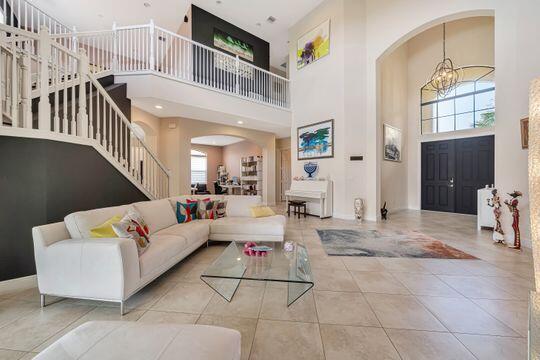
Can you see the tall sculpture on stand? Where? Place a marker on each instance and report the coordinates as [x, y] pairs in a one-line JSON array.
[[495, 203], [513, 207]]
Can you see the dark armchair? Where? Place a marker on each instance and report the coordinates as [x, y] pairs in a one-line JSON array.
[[218, 189], [201, 189]]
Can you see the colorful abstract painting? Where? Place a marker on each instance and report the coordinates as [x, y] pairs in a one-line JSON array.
[[313, 45], [232, 45], [387, 243], [316, 141]]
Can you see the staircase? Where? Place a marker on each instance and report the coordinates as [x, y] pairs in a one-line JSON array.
[[72, 105], [50, 89]]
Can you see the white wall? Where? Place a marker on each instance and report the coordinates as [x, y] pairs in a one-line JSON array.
[[345, 85], [394, 112], [233, 153]]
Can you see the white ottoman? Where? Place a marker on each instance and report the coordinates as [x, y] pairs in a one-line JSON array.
[[130, 340]]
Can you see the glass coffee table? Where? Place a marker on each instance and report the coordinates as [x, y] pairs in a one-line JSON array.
[[233, 266]]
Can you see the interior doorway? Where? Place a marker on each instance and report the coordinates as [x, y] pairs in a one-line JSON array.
[[285, 172], [452, 172]]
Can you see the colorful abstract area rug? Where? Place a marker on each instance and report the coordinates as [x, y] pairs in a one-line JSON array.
[[387, 243]]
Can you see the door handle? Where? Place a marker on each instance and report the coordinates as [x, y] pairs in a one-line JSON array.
[[451, 182]]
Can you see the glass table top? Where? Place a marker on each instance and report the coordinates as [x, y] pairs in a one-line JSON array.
[[232, 266]]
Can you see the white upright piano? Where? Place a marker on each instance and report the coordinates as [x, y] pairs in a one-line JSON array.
[[316, 193]]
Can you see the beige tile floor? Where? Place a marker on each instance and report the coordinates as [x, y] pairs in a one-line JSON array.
[[360, 308]]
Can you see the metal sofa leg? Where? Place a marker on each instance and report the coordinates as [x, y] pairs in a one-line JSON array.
[[122, 308], [42, 300]]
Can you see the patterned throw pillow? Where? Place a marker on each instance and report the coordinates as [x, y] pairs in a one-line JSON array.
[[186, 212], [132, 226], [207, 209], [221, 209]]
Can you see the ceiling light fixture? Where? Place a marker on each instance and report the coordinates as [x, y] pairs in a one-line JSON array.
[[446, 75], [158, 107], [147, 4], [239, 122], [271, 19]]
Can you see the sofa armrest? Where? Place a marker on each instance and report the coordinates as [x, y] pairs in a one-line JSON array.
[[105, 269]]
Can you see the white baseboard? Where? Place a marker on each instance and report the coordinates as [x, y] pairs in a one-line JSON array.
[[21, 283]]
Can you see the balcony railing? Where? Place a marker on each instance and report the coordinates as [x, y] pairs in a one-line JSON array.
[[151, 49]]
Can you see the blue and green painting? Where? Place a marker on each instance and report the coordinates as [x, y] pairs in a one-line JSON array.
[[316, 141]]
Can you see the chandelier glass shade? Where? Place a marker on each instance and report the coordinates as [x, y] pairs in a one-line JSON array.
[[446, 75]]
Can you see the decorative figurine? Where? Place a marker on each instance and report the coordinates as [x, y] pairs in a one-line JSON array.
[[513, 207], [495, 203], [311, 168], [359, 208], [252, 249], [384, 211]]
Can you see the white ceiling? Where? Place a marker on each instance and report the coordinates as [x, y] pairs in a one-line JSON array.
[[100, 14], [216, 140], [172, 109]]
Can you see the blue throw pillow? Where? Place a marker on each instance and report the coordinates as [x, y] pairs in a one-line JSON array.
[[186, 212]]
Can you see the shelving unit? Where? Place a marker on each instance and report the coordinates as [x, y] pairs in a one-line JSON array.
[[222, 174], [251, 175]]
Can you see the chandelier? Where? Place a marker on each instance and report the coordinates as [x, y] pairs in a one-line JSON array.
[[446, 76]]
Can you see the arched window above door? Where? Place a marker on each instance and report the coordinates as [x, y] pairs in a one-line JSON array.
[[471, 104]]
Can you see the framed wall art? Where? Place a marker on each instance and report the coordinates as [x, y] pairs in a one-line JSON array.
[[316, 141]]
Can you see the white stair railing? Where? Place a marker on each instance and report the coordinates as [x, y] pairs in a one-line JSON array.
[[151, 49], [71, 102], [24, 15]]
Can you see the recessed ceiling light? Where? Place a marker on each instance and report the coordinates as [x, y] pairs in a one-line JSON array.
[[158, 107], [239, 122], [271, 19], [218, 2], [258, 24], [147, 4]]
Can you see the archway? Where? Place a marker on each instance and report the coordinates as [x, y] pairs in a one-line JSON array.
[[178, 137], [232, 164], [406, 113], [383, 45]]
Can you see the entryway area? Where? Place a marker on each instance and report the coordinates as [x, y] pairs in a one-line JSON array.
[[452, 172]]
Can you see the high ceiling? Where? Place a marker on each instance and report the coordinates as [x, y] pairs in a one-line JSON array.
[[249, 15]]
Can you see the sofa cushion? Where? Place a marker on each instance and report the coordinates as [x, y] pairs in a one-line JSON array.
[[270, 225], [135, 340], [183, 198], [194, 231], [157, 214], [240, 205], [132, 226], [186, 212], [161, 249], [105, 230], [79, 224]]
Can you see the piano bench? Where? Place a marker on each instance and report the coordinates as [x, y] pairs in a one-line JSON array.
[[299, 207]]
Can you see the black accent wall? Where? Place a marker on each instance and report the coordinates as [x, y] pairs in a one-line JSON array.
[[42, 181], [202, 31]]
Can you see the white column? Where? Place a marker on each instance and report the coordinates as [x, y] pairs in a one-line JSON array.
[[82, 115], [534, 173], [44, 107]]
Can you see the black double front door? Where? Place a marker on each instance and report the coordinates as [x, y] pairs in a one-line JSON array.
[[453, 171]]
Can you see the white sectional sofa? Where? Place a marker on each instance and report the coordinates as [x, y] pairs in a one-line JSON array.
[[70, 263]]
